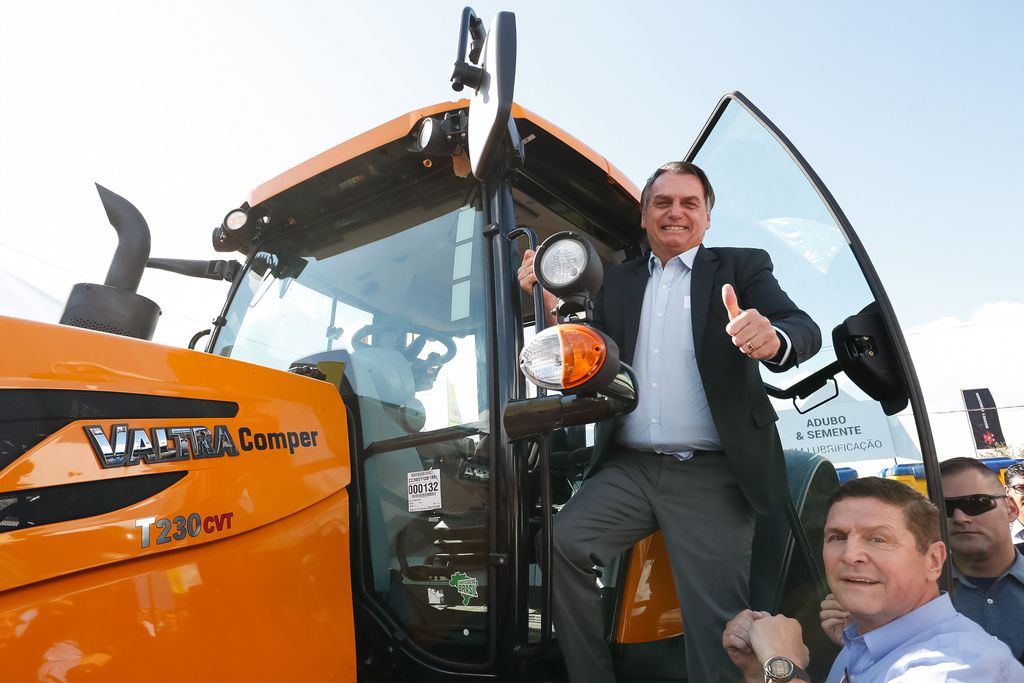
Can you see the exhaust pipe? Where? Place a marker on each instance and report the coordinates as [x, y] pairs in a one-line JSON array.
[[114, 306], [132, 241]]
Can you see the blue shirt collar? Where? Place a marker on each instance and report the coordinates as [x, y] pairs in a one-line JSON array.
[[687, 257], [884, 639], [1016, 570]]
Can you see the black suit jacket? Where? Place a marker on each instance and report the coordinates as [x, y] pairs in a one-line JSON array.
[[732, 382]]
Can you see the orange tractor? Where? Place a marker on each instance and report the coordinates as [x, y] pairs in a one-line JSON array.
[[354, 479]]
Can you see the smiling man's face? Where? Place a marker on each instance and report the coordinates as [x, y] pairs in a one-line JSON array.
[[873, 564], [677, 215]]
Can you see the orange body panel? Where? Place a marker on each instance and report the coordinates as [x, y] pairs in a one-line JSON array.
[[350, 149], [614, 174], [649, 609], [253, 607], [216, 601], [400, 127]]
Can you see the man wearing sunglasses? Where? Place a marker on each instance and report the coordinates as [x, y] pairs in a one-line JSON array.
[[988, 570], [1014, 477]]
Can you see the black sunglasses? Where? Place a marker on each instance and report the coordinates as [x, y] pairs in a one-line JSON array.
[[972, 505]]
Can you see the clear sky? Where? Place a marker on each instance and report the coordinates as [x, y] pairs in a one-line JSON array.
[[911, 112]]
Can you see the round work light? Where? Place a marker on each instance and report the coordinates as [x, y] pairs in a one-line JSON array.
[[567, 264], [236, 220]]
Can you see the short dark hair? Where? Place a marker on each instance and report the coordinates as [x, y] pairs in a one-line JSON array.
[[921, 516], [679, 168], [1014, 472], [962, 464]]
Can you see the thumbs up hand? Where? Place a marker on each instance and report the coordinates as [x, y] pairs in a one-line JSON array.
[[751, 332], [732, 306]]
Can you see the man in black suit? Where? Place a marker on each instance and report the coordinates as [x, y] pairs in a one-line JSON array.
[[700, 454]]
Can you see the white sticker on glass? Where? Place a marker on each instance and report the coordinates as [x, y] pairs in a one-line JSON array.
[[424, 490]]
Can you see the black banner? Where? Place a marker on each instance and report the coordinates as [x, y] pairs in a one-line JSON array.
[[981, 412]]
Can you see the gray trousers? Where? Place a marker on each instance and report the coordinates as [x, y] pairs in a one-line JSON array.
[[708, 526]]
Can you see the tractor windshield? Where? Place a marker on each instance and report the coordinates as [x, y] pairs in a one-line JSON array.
[[405, 290], [392, 309]]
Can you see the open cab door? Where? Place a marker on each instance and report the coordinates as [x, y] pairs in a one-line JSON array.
[[857, 402], [853, 409]]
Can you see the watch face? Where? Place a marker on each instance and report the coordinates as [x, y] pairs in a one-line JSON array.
[[780, 667]]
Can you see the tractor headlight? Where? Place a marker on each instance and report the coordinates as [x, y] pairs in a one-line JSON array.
[[436, 136], [563, 263], [568, 264], [429, 137], [570, 357], [236, 220], [235, 230]]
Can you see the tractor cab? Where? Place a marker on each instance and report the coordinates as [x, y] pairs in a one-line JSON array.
[[388, 273]]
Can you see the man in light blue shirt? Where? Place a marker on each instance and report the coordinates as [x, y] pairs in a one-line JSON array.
[[665, 358], [988, 571], [883, 557]]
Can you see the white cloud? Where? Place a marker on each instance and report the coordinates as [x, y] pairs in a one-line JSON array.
[[984, 350]]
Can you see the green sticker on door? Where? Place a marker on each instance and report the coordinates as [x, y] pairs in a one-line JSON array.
[[465, 585]]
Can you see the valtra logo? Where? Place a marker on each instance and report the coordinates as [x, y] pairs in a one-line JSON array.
[[125, 446]]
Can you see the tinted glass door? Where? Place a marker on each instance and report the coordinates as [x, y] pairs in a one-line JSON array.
[[767, 196]]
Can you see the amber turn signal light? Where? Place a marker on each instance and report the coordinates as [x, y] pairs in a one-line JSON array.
[[566, 357]]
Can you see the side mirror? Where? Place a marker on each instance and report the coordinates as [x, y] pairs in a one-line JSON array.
[[490, 110], [866, 354]]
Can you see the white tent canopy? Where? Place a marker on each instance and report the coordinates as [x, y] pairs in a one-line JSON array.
[[41, 299], [22, 299]]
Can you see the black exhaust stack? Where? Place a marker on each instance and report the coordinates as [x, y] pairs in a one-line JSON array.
[[114, 306]]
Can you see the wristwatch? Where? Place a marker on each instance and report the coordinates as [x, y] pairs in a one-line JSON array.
[[783, 669]]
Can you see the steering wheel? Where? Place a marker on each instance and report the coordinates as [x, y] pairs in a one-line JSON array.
[[428, 365]]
